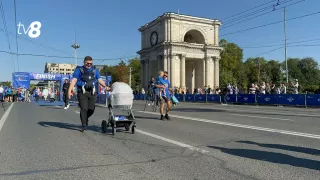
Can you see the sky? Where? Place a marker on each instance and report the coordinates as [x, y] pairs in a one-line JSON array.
[[109, 29]]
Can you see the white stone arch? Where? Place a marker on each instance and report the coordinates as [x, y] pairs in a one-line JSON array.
[[197, 33]]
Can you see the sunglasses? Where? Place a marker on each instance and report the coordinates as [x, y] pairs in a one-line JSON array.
[[89, 64]]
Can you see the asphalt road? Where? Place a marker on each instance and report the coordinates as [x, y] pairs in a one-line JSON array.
[[202, 141]]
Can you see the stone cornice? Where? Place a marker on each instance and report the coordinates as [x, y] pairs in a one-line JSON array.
[[180, 17], [195, 46], [181, 44]]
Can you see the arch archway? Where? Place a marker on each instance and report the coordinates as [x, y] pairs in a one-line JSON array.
[[194, 36]]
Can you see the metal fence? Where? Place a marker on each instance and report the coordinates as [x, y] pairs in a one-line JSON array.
[[254, 99], [305, 100]]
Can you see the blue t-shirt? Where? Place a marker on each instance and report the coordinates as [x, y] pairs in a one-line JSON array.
[[9, 91], [77, 75], [167, 84], [160, 81]]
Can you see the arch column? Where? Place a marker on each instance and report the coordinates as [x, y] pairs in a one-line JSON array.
[[146, 75], [165, 63], [183, 70], [159, 60], [213, 73], [207, 73], [142, 71], [216, 71]]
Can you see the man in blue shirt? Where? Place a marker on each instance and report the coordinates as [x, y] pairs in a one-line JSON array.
[[85, 78], [166, 98]]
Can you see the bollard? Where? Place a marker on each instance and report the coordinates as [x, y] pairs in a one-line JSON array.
[[206, 98], [256, 100], [305, 99], [236, 98]]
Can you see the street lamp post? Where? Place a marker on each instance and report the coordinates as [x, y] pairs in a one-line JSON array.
[[75, 46], [130, 71]]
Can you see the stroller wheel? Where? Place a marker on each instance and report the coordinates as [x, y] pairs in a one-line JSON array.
[[104, 126], [127, 128], [112, 123], [132, 129], [130, 117]]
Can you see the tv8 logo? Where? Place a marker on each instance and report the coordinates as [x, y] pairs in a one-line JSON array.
[[33, 29]]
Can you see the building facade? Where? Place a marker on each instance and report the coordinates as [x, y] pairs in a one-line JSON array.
[[56, 68], [185, 46]]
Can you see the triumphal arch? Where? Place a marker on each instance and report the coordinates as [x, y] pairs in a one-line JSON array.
[[185, 46]]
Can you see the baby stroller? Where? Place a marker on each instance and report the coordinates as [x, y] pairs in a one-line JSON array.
[[120, 97]]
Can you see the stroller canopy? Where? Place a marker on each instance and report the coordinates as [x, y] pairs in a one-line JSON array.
[[121, 88]]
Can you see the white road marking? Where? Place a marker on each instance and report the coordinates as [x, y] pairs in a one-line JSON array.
[[252, 109], [262, 111], [5, 116], [261, 117], [268, 112], [314, 136], [172, 141], [168, 140]]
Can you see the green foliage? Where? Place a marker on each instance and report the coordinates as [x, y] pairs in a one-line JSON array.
[[6, 83], [135, 74], [121, 72], [234, 70], [231, 63]]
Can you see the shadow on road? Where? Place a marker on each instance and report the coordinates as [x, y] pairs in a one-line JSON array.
[[68, 126], [196, 110], [143, 117], [272, 157], [285, 147]]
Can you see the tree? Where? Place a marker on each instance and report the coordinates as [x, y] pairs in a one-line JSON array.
[[309, 69], [121, 73], [273, 71], [231, 70], [135, 74], [6, 83], [252, 71], [110, 70], [294, 70]]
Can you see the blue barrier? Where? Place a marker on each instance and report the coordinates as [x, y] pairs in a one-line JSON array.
[[262, 99], [267, 99], [200, 98], [313, 100], [292, 99], [230, 98], [245, 98], [213, 98], [180, 97], [189, 98]]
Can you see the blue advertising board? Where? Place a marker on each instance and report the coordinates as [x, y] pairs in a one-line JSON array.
[[21, 79]]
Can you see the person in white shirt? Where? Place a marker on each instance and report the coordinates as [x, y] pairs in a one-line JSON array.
[[45, 93], [263, 88], [252, 90], [283, 89], [1, 93], [296, 87]]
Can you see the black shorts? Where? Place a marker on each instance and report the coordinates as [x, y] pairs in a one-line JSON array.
[[164, 100]]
